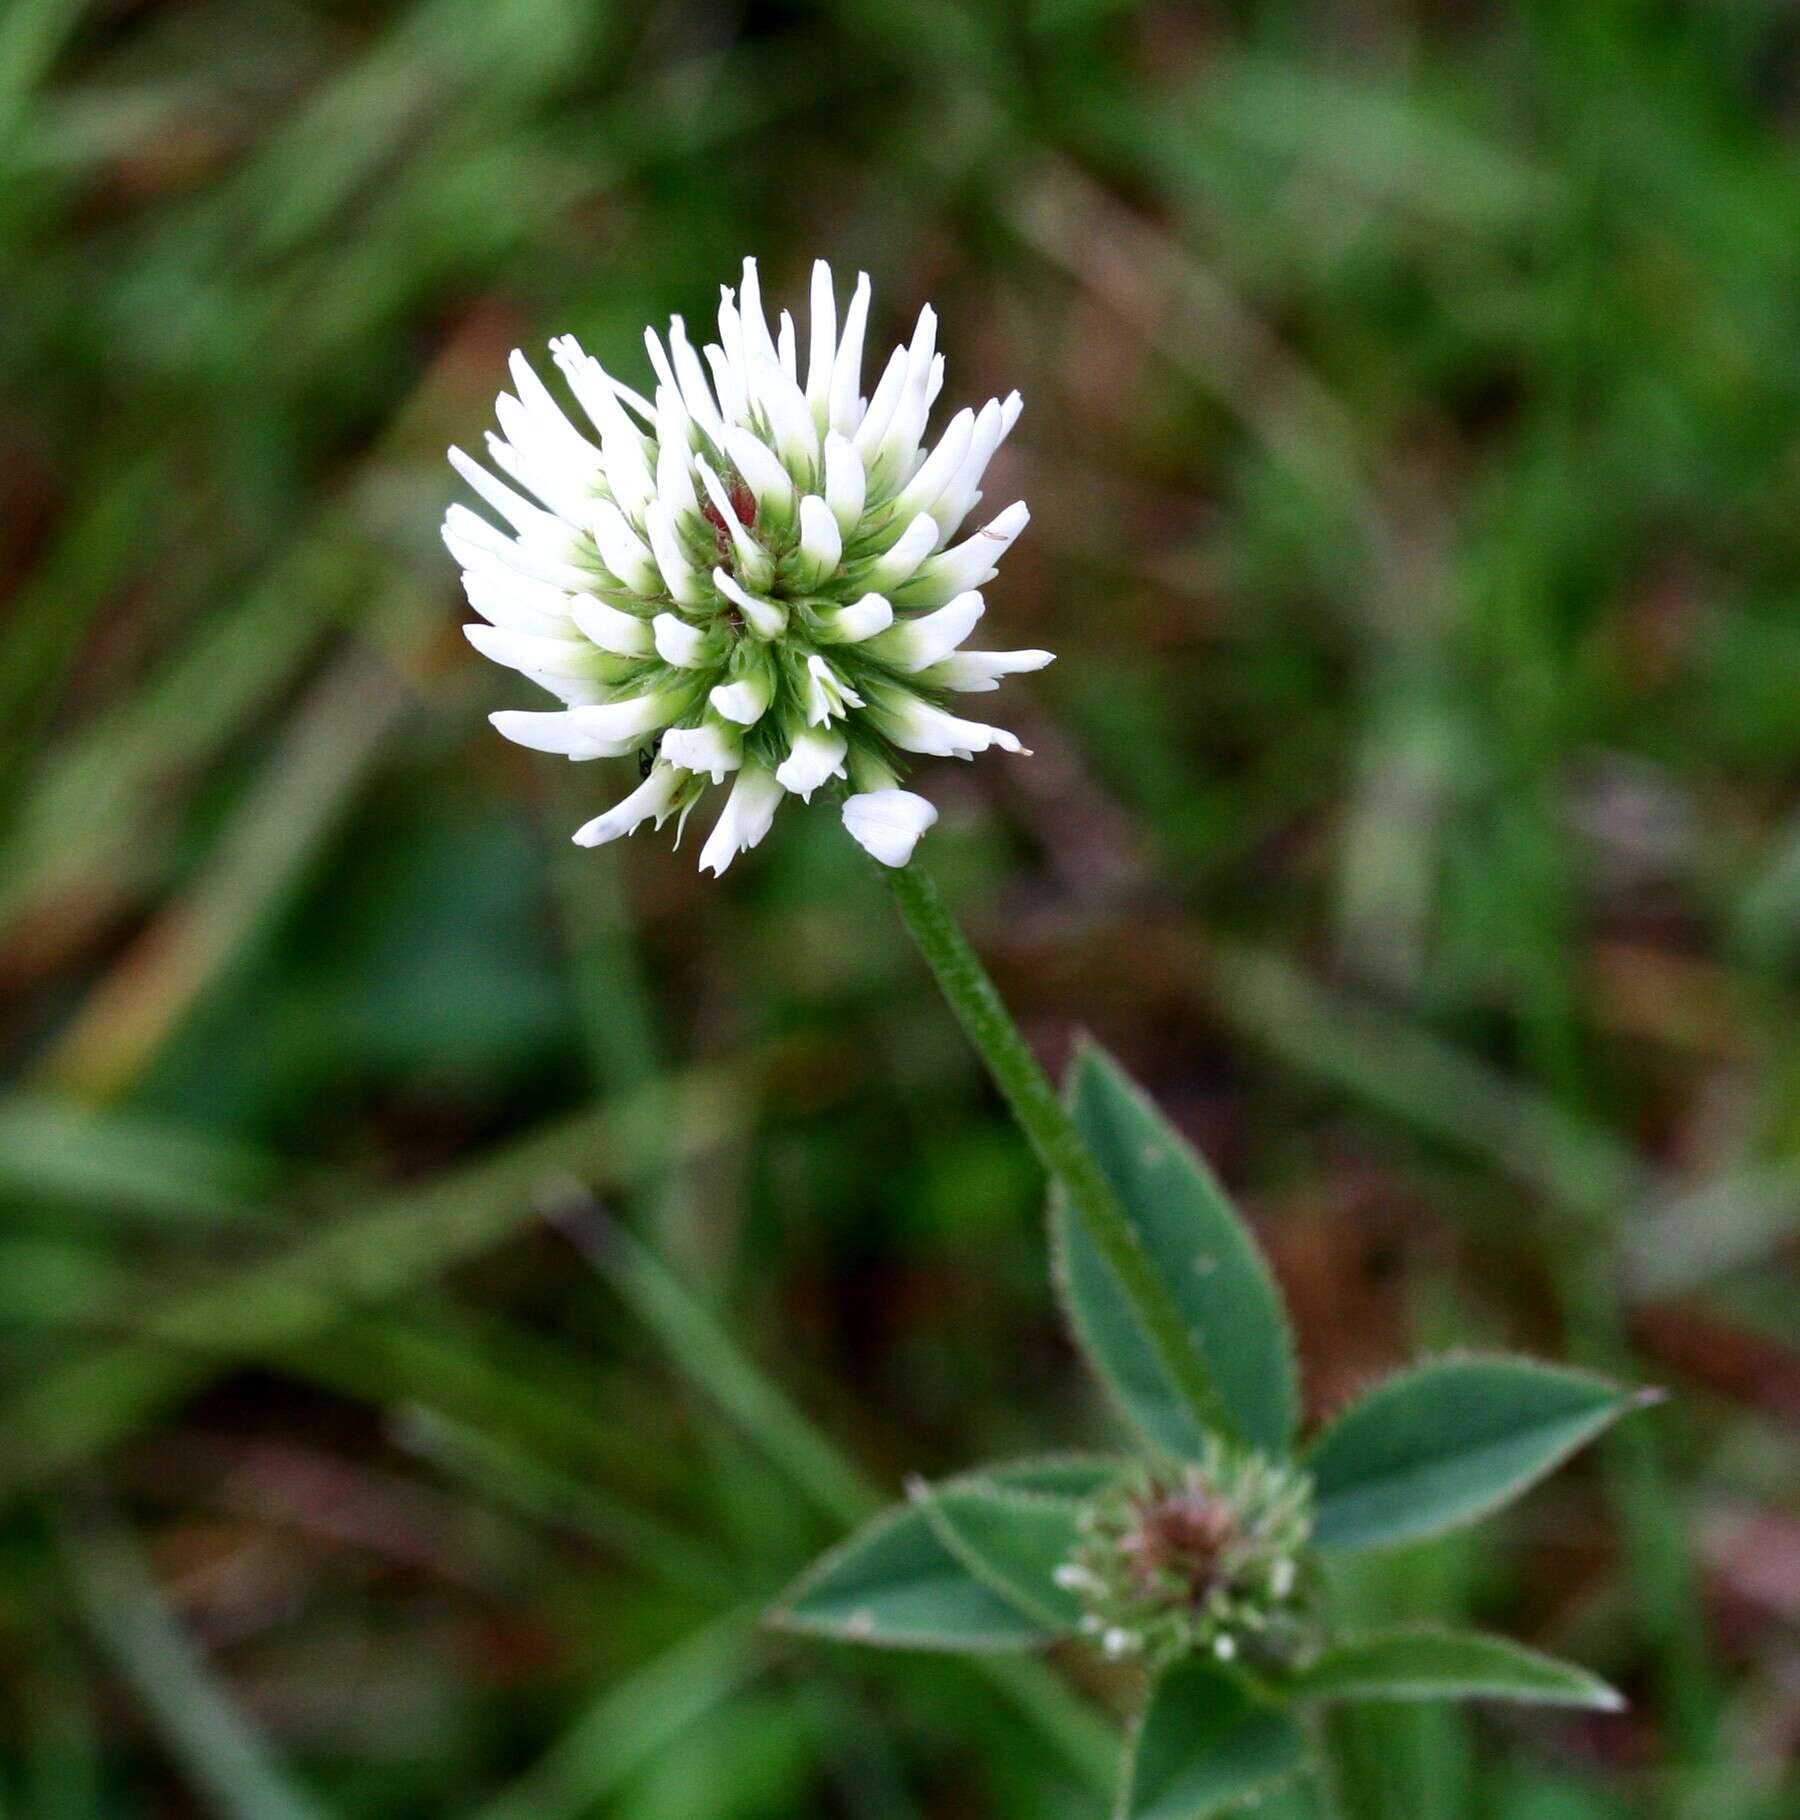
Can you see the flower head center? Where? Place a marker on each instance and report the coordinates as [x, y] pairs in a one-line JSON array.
[[1185, 1533], [1201, 1554]]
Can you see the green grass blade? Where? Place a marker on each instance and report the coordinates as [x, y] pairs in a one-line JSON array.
[[217, 1748], [630, 1723]]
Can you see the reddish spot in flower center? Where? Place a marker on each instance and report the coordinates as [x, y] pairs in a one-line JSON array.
[[1180, 1532], [743, 504], [721, 537]]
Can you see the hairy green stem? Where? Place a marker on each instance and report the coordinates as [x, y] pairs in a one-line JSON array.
[[1060, 1147]]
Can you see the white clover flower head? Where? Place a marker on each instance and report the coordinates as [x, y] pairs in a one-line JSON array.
[[1200, 1555], [748, 576]]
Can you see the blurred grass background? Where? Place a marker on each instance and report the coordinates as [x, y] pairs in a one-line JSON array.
[[1412, 395]]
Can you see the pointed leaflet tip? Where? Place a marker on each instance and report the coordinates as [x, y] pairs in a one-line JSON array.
[[1442, 1444]]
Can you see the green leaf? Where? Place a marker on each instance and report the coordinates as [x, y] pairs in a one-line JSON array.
[[1446, 1443], [1012, 1542], [1426, 1664], [1203, 1252], [1205, 1743], [895, 1584]]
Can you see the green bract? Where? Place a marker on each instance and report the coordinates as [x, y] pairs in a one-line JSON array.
[[1202, 1557]]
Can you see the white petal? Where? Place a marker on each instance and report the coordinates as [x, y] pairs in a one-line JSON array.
[[522, 651], [976, 672], [791, 428], [996, 419], [636, 400], [846, 371], [763, 474], [559, 733], [917, 644], [674, 422], [728, 382], [566, 493], [917, 726], [511, 563], [821, 543], [717, 750], [814, 756], [527, 519], [596, 391], [624, 634], [675, 476], [622, 723], [786, 348], [757, 343], [659, 361], [625, 553], [851, 625], [571, 691], [546, 414], [716, 493], [678, 643], [468, 537], [846, 485], [939, 468], [538, 441], [544, 446], [827, 694], [766, 618], [727, 361], [678, 574], [881, 407], [628, 472], [752, 558], [968, 564], [655, 796], [888, 823], [896, 564], [505, 599], [748, 812], [745, 701], [690, 379], [896, 447], [821, 344]]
